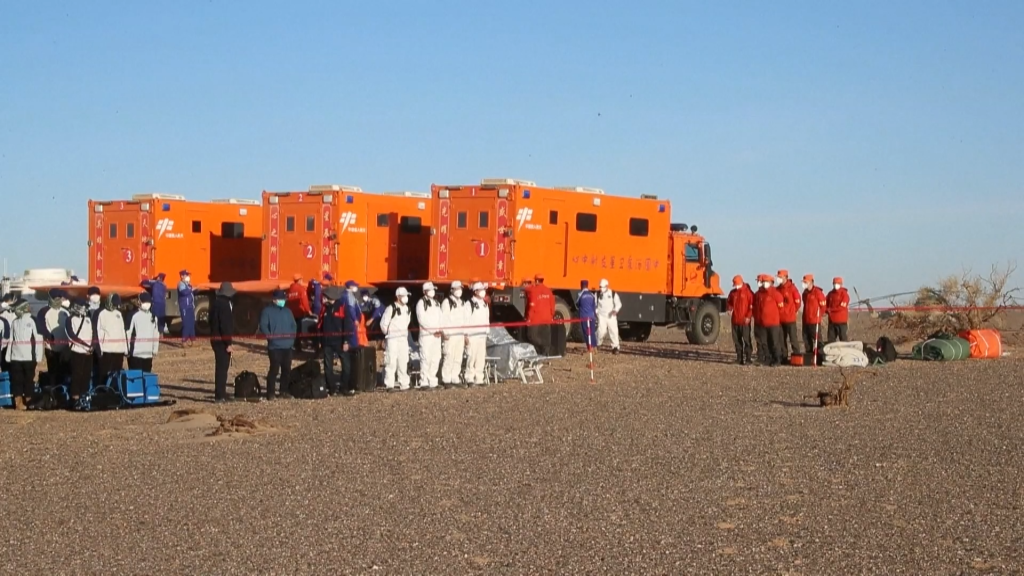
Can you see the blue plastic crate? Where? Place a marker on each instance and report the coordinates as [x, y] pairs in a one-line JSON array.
[[6, 399], [137, 388]]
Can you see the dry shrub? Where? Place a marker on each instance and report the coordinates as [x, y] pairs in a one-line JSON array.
[[236, 424], [840, 397], [965, 302]]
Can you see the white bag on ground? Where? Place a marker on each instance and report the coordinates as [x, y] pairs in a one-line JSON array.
[[845, 355]]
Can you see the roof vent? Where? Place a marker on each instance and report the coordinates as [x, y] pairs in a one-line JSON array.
[[407, 194], [245, 201], [334, 188], [580, 189], [506, 182], [156, 196]]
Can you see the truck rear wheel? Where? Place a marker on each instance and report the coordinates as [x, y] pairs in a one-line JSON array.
[[563, 312], [202, 316], [636, 331], [705, 325]]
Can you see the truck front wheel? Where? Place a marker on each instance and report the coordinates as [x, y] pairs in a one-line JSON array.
[[705, 325]]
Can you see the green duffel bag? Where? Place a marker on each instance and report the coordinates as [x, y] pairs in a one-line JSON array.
[[942, 349]]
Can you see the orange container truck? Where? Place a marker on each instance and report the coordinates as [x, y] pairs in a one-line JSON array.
[[504, 232]]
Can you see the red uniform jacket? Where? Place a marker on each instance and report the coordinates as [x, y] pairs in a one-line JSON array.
[[768, 304], [540, 304], [790, 302], [298, 300], [838, 304], [741, 304], [814, 305]]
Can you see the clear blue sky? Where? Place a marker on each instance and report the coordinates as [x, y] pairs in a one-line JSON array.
[[832, 137]]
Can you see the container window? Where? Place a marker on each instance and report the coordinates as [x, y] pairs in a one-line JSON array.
[[197, 226], [129, 230], [232, 229], [461, 220], [113, 230], [553, 217], [586, 222], [411, 224], [638, 226], [383, 221], [310, 223], [485, 219], [289, 224]]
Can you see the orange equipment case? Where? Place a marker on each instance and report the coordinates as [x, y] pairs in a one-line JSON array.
[[503, 232]]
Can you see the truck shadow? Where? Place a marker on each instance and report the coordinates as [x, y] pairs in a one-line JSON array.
[[696, 355]]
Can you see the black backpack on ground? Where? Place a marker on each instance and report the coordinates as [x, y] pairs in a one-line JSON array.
[[886, 349], [307, 382], [247, 386]]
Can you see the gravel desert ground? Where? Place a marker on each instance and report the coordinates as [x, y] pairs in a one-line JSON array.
[[675, 462]]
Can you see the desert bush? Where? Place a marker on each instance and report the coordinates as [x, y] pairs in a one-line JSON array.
[[959, 302]]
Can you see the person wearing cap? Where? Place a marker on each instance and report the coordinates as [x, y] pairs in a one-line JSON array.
[[814, 311], [837, 303], [455, 318], [741, 304], [23, 351], [540, 315], [787, 316], [372, 309], [586, 304], [608, 307], [395, 326], [80, 331], [278, 324], [95, 301], [143, 335], [768, 304], [111, 337], [476, 336], [298, 304], [158, 290], [52, 322], [336, 342], [7, 318], [187, 308], [222, 332], [428, 315]]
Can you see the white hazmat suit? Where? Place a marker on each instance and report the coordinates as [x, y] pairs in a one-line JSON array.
[[608, 306], [455, 314], [479, 319], [395, 326], [428, 313]]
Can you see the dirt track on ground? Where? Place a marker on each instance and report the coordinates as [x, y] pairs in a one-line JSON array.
[[675, 462]]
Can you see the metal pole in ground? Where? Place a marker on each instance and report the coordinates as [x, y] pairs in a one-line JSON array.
[[590, 349], [814, 356]]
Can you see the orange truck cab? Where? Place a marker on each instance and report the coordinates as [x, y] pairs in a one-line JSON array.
[[134, 240], [503, 232]]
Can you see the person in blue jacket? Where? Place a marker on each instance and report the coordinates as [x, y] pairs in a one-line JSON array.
[[278, 324], [586, 303], [187, 309], [351, 322], [373, 309], [158, 290]]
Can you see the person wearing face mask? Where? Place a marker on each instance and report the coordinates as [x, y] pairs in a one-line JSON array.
[[7, 318], [428, 314], [143, 336], [334, 340], [768, 304], [838, 305], [51, 324], [395, 325], [455, 318], [277, 323], [476, 336], [112, 337], [222, 333], [23, 352], [372, 309], [187, 308], [608, 306], [787, 316], [540, 315], [158, 290], [80, 331], [586, 303], [94, 301], [814, 310], [741, 304]]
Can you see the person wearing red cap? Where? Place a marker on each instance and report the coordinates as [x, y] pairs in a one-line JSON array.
[[787, 316], [540, 313], [838, 305], [814, 310], [741, 304], [768, 304]]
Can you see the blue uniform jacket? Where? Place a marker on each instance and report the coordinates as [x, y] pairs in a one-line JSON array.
[[186, 301], [278, 325], [316, 301], [158, 290], [353, 318], [586, 303]]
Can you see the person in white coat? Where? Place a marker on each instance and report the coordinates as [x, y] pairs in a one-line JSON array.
[[428, 314], [7, 317], [455, 317], [143, 336], [608, 306], [111, 337], [23, 352], [476, 336], [394, 324]]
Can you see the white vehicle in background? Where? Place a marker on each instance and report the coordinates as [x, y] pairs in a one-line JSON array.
[[20, 287]]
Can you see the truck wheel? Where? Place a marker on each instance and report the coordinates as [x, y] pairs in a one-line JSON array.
[[202, 316], [706, 324], [636, 331], [563, 312], [247, 314]]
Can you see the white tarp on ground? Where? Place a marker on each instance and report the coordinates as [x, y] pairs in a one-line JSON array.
[[845, 355], [508, 351]]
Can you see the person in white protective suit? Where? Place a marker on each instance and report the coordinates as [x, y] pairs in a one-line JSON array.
[[476, 336], [454, 317], [428, 314], [394, 324], [608, 306]]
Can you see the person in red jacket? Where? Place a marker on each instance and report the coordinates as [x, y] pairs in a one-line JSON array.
[[768, 304], [741, 304], [540, 313], [838, 305], [787, 316], [814, 310], [298, 304]]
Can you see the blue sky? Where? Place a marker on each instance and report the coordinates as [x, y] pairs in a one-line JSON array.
[[826, 137]]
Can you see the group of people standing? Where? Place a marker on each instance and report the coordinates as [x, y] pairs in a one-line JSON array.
[[774, 309], [82, 341]]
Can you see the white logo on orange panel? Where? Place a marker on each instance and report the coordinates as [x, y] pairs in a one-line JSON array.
[[524, 215], [164, 225]]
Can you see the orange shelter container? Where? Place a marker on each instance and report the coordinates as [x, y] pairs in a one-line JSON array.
[[985, 343]]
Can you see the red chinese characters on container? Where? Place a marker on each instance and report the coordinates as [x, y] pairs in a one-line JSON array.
[[636, 264]]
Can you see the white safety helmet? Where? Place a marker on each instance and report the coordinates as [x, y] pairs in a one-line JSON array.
[[478, 286], [455, 284], [428, 286], [603, 283], [401, 292]]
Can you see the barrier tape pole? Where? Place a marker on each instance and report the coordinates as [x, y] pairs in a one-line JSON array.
[[590, 351]]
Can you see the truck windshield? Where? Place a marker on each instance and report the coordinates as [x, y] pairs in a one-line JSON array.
[[692, 253]]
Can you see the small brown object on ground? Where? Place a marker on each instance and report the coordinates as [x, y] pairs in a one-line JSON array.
[[840, 397]]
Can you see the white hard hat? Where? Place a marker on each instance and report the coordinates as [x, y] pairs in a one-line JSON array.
[[401, 291], [428, 286], [456, 284], [477, 286], [603, 283]]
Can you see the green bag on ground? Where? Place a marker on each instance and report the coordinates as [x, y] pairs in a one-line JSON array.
[[942, 349]]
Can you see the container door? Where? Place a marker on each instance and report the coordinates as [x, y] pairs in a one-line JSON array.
[[117, 250], [299, 239], [469, 239]]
